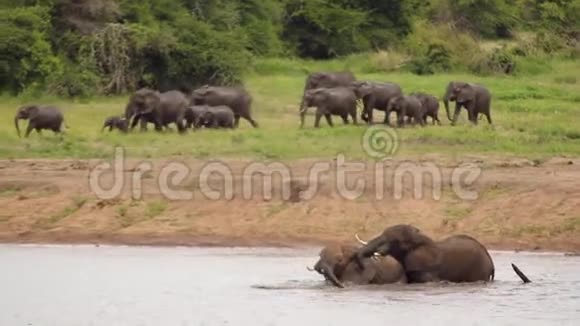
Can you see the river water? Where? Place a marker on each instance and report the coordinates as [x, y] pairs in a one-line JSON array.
[[114, 286]]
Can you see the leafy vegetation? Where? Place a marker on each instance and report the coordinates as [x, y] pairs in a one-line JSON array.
[[78, 48]]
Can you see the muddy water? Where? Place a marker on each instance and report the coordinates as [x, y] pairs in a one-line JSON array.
[[110, 286]]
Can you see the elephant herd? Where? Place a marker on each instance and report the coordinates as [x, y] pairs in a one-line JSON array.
[[207, 106], [404, 254], [332, 93], [337, 93]]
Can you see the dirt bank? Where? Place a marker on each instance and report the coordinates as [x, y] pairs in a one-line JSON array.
[[520, 204]]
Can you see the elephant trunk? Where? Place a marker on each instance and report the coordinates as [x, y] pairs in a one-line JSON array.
[[446, 103], [16, 118], [328, 273], [303, 108], [369, 250]]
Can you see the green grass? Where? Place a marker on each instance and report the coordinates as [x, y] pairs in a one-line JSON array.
[[155, 208], [536, 115]]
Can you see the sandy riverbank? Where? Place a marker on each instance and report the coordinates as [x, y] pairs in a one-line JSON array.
[[521, 205]]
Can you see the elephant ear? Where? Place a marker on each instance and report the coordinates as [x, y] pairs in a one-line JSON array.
[[151, 102], [465, 93], [32, 111]]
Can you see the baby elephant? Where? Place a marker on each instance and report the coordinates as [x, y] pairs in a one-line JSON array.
[[406, 106], [116, 122], [193, 116], [39, 117], [337, 267], [220, 116], [430, 106]]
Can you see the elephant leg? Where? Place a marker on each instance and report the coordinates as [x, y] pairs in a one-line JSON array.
[[488, 116], [344, 118], [236, 120], [251, 121], [159, 126], [387, 120], [38, 131], [28, 130], [180, 126], [420, 120], [471, 113], [317, 118], [401, 117], [369, 107], [143, 124], [370, 116], [436, 118], [328, 119], [456, 113], [364, 117], [110, 128]]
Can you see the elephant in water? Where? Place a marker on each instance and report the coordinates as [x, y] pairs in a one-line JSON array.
[[39, 117], [473, 97], [458, 258], [335, 266], [339, 101], [147, 105]]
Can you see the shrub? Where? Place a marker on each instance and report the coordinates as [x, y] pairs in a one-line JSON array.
[[26, 56], [497, 61]]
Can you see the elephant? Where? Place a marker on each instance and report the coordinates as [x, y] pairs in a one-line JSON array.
[[116, 122], [219, 116], [430, 106], [339, 101], [336, 268], [375, 96], [405, 106], [326, 79], [457, 258], [147, 105], [473, 97], [237, 98], [193, 116], [39, 117]]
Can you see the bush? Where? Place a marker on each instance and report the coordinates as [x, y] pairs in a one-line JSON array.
[[498, 61], [437, 58], [26, 56], [74, 81], [432, 51]]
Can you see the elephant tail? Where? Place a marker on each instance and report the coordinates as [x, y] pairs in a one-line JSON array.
[[521, 274], [492, 275]]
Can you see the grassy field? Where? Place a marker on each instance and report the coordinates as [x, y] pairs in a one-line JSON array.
[[535, 115]]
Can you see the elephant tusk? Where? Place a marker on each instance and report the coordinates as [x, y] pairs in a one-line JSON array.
[[310, 269], [359, 240]]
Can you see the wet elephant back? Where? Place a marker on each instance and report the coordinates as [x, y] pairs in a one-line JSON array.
[[464, 259], [388, 270]]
